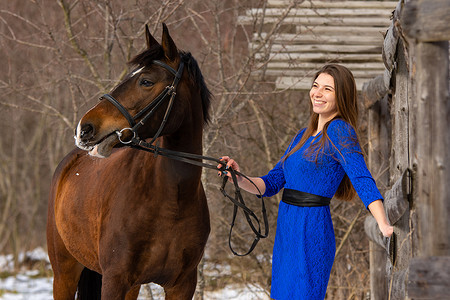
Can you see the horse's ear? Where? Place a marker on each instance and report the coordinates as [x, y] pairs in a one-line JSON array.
[[151, 42], [170, 50]]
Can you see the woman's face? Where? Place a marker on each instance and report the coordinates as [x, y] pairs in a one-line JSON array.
[[323, 96]]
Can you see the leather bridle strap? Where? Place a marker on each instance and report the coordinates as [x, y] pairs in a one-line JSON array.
[[120, 107]]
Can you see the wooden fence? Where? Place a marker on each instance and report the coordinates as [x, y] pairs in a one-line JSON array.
[[409, 109], [316, 32]]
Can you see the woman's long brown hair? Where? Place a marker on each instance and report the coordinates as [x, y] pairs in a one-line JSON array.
[[347, 110]]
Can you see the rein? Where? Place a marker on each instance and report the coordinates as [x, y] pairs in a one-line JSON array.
[[194, 159], [237, 200]]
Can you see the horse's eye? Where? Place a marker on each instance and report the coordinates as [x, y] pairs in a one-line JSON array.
[[145, 82]]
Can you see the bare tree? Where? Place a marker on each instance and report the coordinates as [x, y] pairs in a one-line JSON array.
[[58, 57]]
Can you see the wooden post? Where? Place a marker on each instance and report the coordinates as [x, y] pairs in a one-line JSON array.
[[420, 119], [429, 278], [378, 162], [431, 141], [425, 24]]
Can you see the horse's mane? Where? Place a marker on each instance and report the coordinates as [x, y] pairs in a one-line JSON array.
[[146, 57]]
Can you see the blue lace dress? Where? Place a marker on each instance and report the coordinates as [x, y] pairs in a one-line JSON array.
[[305, 245]]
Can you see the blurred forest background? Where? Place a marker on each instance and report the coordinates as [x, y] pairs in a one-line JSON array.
[[58, 56]]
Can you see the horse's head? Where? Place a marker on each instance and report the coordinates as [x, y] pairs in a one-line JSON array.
[[153, 100]]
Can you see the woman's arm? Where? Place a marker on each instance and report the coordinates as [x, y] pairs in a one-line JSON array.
[[377, 210], [243, 182]]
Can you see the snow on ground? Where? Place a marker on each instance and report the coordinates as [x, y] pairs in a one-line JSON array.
[[26, 286]]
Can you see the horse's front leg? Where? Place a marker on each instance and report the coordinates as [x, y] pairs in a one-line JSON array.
[[66, 269], [115, 287], [133, 293], [184, 288]]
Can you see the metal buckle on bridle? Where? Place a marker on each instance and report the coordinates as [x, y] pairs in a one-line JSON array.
[[171, 90], [120, 134]]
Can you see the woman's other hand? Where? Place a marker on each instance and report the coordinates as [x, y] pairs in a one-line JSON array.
[[387, 230]]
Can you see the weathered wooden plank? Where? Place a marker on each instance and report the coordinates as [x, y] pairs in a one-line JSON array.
[[399, 280], [373, 49], [304, 83], [309, 73], [378, 282], [331, 29], [382, 22], [427, 21], [367, 66], [396, 199], [319, 56], [391, 40], [429, 278], [374, 233], [400, 156], [429, 148], [390, 47], [334, 4], [324, 12], [374, 90], [378, 162], [379, 142], [292, 39]]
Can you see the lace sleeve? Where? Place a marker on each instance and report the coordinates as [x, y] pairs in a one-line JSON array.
[[348, 153]]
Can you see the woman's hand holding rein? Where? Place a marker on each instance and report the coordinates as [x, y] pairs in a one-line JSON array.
[[230, 163], [242, 182]]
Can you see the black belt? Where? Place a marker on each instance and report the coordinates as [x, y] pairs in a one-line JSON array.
[[298, 198]]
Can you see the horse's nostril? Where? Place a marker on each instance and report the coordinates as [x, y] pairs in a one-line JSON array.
[[87, 131]]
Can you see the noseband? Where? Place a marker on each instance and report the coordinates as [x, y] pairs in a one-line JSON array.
[[194, 159], [149, 110]]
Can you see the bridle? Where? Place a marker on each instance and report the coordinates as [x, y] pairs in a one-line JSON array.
[[149, 110], [194, 159]]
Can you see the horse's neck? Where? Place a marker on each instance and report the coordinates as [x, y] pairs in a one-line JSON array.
[[188, 138], [187, 144]]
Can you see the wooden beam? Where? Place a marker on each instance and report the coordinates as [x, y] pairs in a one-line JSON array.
[[334, 4], [330, 39], [374, 233], [296, 83], [426, 20], [398, 285], [320, 12], [310, 73], [378, 161], [308, 48], [320, 56], [363, 66], [382, 22], [374, 90], [378, 282], [429, 278], [391, 40], [396, 199], [396, 204]]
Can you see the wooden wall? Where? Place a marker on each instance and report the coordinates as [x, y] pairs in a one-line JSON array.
[[312, 33], [408, 126]]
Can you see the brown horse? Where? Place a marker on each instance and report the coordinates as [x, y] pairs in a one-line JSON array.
[[119, 217]]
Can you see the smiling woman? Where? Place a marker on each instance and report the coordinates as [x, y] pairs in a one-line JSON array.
[[323, 161]]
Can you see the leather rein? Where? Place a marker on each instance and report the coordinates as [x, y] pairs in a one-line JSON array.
[[135, 142]]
